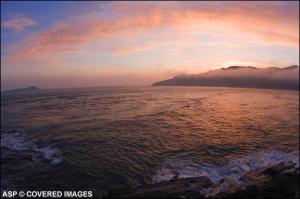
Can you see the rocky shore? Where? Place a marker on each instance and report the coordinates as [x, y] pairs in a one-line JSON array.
[[280, 181]]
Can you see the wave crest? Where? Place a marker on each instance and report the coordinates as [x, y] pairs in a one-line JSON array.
[[231, 176], [16, 142]]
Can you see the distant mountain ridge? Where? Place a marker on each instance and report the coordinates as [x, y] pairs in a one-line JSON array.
[[240, 76], [31, 88]]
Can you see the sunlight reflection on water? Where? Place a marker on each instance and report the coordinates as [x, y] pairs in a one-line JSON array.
[[120, 137]]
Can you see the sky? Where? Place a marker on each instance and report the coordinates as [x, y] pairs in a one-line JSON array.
[[65, 44]]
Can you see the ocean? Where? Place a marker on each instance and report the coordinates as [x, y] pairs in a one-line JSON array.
[[101, 139]]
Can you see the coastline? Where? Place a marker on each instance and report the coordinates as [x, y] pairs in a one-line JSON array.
[[278, 181]]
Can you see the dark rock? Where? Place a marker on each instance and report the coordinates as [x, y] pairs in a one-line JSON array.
[[266, 183], [279, 168], [177, 188], [273, 182], [281, 186]]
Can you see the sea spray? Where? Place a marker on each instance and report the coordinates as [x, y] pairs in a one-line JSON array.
[[16, 141], [229, 177]]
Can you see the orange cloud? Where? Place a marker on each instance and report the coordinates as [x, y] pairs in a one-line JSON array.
[[265, 22], [125, 51]]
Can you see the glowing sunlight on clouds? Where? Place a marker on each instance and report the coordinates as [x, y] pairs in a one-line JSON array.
[[145, 34], [19, 24]]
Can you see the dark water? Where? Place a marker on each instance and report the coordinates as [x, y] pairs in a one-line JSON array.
[[106, 138]]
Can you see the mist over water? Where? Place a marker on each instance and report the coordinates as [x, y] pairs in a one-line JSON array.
[[106, 138]]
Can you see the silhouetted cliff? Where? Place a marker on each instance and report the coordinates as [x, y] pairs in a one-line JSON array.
[[240, 76]]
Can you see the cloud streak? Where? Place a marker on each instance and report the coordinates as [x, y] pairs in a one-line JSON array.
[[268, 23], [19, 24]]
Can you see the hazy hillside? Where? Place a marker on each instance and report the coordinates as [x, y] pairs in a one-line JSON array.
[[31, 88], [240, 76]]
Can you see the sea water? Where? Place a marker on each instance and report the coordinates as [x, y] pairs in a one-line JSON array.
[[101, 139]]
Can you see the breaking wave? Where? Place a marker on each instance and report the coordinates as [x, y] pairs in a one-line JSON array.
[[16, 142], [229, 177]]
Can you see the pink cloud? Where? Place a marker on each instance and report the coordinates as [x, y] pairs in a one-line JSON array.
[[267, 23], [127, 50], [19, 24]]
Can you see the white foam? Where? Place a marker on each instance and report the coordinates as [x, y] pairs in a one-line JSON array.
[[51, 154], [13, 141], [17, 142], [228, 177]]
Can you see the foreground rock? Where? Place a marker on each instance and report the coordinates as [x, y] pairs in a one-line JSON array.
[[169, 189], [278, 182]]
